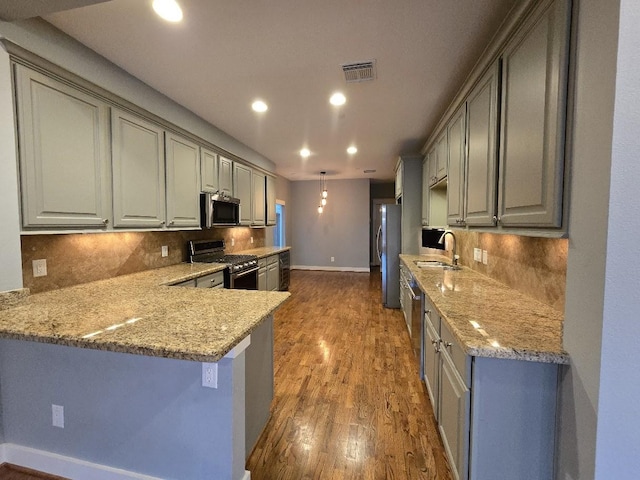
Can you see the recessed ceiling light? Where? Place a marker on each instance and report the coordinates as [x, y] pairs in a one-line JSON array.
[[352, 150], [168, 10], [337, 99], [305, 152], [259, 106]]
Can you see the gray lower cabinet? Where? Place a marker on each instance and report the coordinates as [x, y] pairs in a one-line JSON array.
[[482, 140], [137, 148], [534, 89], [496, 416], [212, 280], [262, 274], [209, 168], [271, 200], [456, 134], [242, 190], [183, 182], [259, 197], [63, 146], [273, 273], [225, 176]]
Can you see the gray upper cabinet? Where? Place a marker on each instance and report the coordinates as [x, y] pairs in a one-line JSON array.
[[455, 177], [138, 171], [258, 186], [63, 145], [481, 176], [209, 167], [271, 200], [225, 176], [440, 165], [242, 189], [534, 84], [425, 191], [183, 181], [398, 185]]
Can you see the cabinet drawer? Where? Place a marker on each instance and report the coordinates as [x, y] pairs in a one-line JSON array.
[[272, 259], [431, 316], [460, 359], [213, 280], [262, 263], [186, 283]]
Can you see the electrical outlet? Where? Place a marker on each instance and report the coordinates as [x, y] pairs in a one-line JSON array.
[[210, 375], [333, 259], [40, 268], [165, 251], [57, 415], [233, 242], [251, 239], [477, 254], [485, 257]]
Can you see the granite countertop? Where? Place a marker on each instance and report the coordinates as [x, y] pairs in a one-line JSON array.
[[488, 318], [141, 314], [263, 252]]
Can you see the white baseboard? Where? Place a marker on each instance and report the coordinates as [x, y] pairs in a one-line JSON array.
[[331, 269], [69, 467]]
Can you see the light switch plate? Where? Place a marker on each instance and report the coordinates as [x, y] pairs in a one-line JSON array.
[[477, 254], [165, 251], [485, 257]]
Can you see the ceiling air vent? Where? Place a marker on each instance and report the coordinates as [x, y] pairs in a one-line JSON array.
[[359, 72]]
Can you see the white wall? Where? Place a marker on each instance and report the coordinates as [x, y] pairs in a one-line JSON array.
[[10, 257], [599, 413], [341, 231]]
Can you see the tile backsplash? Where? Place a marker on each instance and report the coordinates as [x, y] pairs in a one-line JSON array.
[[536, 267], [85, 257]]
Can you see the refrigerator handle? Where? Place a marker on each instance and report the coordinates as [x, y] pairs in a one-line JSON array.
[[378, 235]]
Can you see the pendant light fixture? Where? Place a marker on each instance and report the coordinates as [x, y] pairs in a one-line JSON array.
[[323, 192]]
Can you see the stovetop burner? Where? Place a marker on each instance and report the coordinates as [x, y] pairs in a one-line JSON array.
[[212, 251]]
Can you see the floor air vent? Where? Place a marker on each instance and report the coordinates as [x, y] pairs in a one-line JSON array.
[[359, 72]]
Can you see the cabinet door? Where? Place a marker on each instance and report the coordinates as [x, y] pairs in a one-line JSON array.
[[63, 154], [399, 180], [425, 191], [534, 85], [455, 177], [225, 176], [442, 157], [209, 166], [258, 214], [273, 278], [271, 201], [183, 181], [454, 417], [242, 190], [138, 171], [481, 175], [433, 165]]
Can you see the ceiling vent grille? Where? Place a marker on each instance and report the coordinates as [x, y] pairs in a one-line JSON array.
[[359, 72]]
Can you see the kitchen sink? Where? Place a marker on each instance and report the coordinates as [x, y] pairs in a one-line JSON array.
[[435, 264]]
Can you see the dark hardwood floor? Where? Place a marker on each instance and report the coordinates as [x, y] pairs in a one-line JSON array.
[[348, 401]]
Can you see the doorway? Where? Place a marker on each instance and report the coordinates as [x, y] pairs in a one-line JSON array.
[[279, 239]]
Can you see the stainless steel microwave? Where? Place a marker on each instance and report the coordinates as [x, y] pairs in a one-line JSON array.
[[218, 210]]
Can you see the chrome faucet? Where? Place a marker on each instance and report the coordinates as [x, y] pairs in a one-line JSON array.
[[453, 248]]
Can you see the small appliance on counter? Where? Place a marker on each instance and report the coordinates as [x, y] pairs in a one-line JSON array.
[[388, 246], [241, 271], [219, 210]]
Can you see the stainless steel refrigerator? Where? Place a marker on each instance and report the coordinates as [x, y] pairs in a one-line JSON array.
[[388, 244]]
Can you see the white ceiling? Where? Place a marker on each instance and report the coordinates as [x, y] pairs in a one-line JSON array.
[[226, 53]]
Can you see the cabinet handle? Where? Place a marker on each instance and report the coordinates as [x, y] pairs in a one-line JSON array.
[[436, 345], [162, 223], [171, 222], [448, 344], [105, 221], [496, 220]]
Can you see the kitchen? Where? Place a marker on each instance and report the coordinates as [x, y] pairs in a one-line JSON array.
[[598, 424]]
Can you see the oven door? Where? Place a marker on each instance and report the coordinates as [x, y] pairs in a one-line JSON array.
[[247, 280]]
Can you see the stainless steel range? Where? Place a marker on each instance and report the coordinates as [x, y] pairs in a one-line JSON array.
[[242, 271]]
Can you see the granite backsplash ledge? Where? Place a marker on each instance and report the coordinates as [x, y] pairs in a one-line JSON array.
[[78, 258], [534, 266]]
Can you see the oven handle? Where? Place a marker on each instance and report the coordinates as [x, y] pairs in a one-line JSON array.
[[246, 272]]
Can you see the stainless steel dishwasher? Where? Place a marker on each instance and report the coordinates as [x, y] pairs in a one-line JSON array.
[[411, 301]]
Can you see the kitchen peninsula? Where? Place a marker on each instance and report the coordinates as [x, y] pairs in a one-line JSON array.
[[134, 404]]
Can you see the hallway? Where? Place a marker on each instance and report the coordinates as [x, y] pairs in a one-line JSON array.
[[348, 400]]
